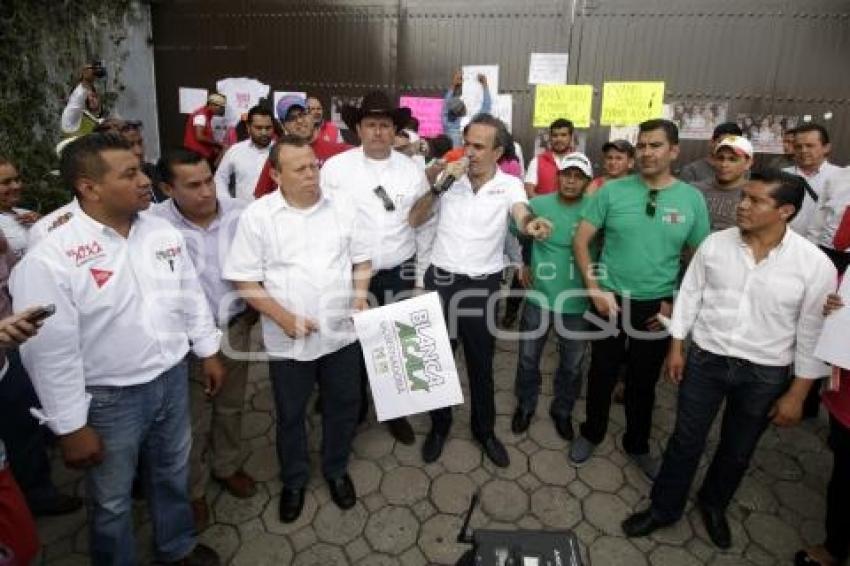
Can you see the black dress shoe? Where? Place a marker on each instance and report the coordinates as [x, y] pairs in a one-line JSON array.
[[641, 524], [716, 526], [433, 446], [520, 422], [495, 451], [342, 492], [291, 504], [59, 504], [402, 431], [564, 427]]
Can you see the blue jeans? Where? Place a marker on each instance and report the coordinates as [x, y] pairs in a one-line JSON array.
[[571, 351], [750, 390], [150, 421]]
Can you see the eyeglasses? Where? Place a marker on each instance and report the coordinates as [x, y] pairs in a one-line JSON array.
[[652, 203], [389, 206]]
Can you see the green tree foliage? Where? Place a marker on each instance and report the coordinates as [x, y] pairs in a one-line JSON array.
[[44, 44]]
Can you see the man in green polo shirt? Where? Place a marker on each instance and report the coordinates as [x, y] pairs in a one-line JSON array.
[[649, 220], [555, 297]]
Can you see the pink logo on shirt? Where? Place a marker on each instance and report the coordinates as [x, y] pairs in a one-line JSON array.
[[85, 252], [101, 276]]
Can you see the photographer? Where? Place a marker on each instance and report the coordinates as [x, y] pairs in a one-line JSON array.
[[83, 110]]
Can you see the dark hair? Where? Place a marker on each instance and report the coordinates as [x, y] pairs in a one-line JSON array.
[[259, 110], [288, 139], [811, 127], [177, 156], [726, 129], [82, 157], [670, 129], [438, 146], [561, 123], [6, 161], [789, 132], [790, 188], [413, 124], [490, 120]]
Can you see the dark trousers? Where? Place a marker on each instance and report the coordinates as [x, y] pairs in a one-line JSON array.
[[750, 391], [838, 493], [387, 286], [644, 357], [338, 375], [467, 318], [24, 438]]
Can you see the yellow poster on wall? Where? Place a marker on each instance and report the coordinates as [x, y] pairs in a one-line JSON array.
[[572, 102], [626, 104]]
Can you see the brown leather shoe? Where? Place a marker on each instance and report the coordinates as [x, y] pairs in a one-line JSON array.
[[239, 484], [201, 512]]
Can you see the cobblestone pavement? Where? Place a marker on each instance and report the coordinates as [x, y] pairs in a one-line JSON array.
[[409, 513]]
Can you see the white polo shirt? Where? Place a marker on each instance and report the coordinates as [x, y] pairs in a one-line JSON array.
[[834, 200], [303, 258], [391, 238], [126, 311], [801, 222], [245, 161], [471, 227], [52, 221], [16, 232]]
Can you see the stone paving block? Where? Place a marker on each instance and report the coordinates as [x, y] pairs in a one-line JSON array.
[[405, 485], [365, 475], [265, 550], [551, 467], [529, 482], [321, 555], [378, 560], [460, 456], [773, 535], [438, 539], [530, 522], [374, 501], [613, 551], [409, 455], [503, 500], [804, 502], [542, 431], [357, 549], [630, 495], [759, 556], [637, 479], [796, 440], [740, 538], [605, 511], [224, 539], [528, 446], [755, 496], [54, 529], [387, 462], [504, 432], [813, 532], [505, 402], [336, 526], [423, 510], [480, 476], [372, 443], [251, 528], [303, 539], [701, 549], [413, 557], [518, 465], [778, 465], [55, 551], [233, 511], [392, 530], [451, 493], [676, 534], [255, 424], [578, 489], [555, 508], [262, 463], [672, 556], [263, 400], [586, 533], [434, 469]]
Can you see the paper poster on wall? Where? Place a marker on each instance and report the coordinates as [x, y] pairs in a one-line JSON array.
[[472, 92], [629, 103], [428, 111], [696, 120], [408, 357], [547, 68], [572, 102], [628, 133], [832, 344], [765, 130], [503, 109], [190, 99], [278, 94], [242, 93]]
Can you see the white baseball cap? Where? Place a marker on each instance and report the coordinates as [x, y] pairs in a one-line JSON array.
[[738, 144], [580, 161]]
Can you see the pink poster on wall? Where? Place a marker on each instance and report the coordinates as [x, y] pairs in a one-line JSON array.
[[427, 111]]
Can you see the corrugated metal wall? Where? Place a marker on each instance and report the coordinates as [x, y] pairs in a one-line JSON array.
[[780, 56]]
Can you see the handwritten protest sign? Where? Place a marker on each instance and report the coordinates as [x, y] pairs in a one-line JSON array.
[[190, 99], [547, 68], [427, 111], [624, 104], [408, 357], [572, 102]]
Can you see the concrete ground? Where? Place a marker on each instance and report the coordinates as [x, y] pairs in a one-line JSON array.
[[409, 513]]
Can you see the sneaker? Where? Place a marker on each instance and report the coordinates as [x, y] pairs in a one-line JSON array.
[[581, 450], [647, 464]]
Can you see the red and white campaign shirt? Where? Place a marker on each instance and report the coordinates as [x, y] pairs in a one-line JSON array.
[[126, 311]]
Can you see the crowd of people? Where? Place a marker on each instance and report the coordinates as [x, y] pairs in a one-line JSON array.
[[135, 303]]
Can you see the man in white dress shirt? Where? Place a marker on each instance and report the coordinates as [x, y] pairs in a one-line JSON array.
[[208, 222], [752, 299], [466, 268], [301, 261], [109, 366], [811, 152], [384, 184], [244, 160]]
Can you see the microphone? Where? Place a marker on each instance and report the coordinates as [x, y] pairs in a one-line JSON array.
[[451, 176]]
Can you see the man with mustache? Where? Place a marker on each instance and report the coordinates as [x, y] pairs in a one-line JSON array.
[[244, 161]]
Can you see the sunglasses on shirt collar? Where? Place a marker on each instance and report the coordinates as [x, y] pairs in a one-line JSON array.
[[652, 203], [389, 206]]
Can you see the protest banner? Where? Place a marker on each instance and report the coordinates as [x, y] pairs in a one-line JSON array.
[[547, 68], [428, 111], [572, 102], [472, 92], [190, 99], [625, 104], [408, 357]]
